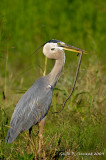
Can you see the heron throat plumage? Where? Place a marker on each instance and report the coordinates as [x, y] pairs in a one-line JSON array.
[[54, 75]]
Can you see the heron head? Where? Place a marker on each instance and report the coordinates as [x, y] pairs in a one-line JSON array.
[[53, 48]]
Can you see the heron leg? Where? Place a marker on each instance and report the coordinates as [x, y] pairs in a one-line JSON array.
[[30, 130], [41, 128]]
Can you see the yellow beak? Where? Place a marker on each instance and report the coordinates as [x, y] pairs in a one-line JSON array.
[[71, 48]]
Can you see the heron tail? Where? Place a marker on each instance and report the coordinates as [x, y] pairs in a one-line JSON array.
[[11, 135]]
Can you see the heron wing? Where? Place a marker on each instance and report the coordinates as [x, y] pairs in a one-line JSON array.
[[31, 108]]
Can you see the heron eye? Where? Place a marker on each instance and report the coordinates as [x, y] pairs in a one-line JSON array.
[[52, 49], [58, 43]]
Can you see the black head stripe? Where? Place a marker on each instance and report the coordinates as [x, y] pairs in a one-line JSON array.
[[53, 41]]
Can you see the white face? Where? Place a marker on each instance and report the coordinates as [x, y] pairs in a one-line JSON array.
[[55, 46], [52, 50]]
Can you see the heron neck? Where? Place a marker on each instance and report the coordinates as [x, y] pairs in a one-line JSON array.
[[56, 71]]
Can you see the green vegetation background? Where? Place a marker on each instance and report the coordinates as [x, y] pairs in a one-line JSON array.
[[24, 26]]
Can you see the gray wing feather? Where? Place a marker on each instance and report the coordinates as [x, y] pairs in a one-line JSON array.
[[32, 107]]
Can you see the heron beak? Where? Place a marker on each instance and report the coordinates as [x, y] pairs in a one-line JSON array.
[[70, 48]]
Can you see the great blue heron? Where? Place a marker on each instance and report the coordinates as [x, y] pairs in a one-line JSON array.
[[34, 104]]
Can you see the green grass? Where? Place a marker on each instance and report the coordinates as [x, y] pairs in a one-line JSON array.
[[79, 128]]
